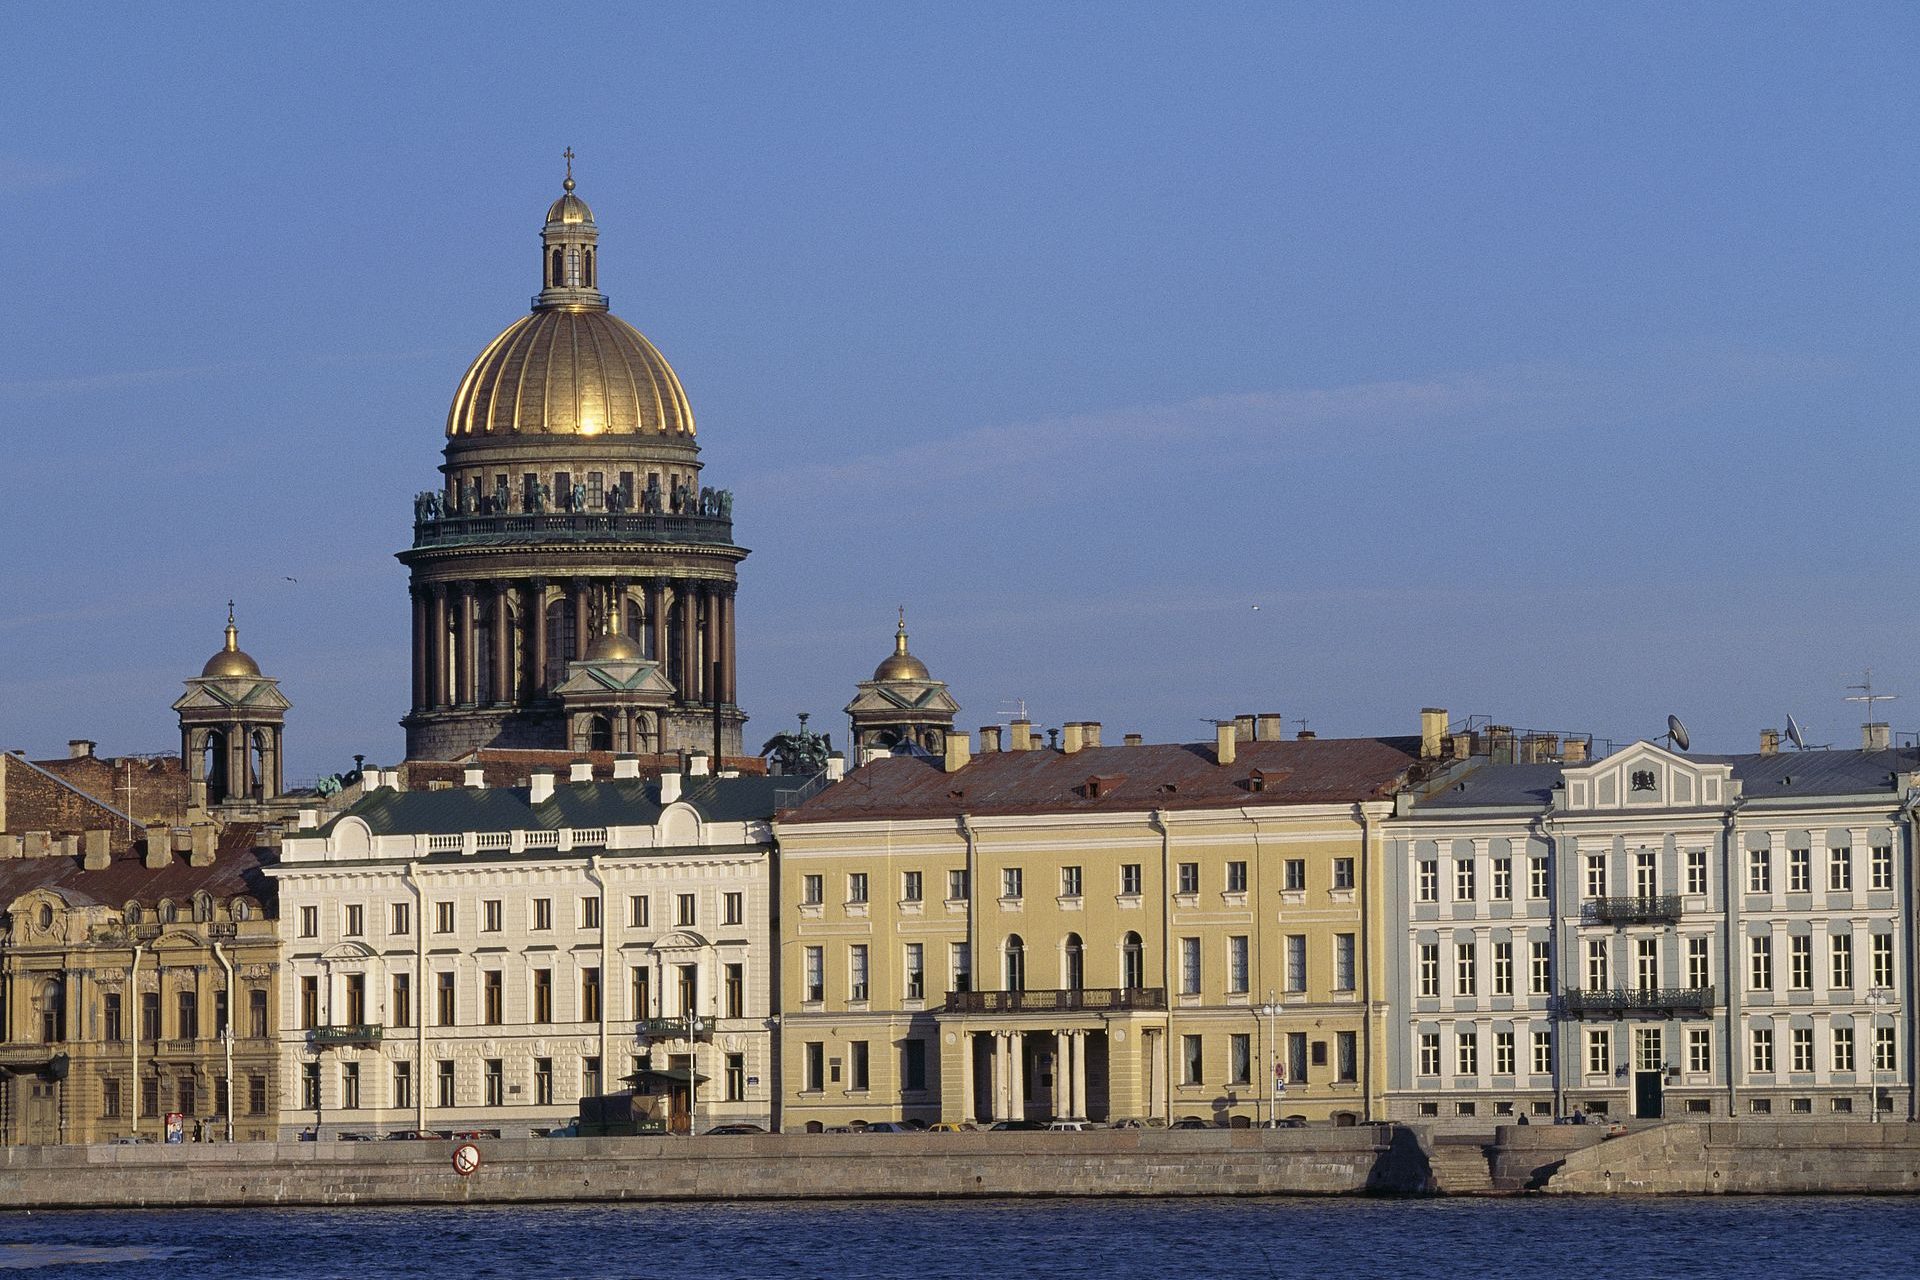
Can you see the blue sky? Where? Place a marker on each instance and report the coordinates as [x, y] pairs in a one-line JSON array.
[[1549, 363]]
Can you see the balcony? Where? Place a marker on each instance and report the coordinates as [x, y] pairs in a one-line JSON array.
[[572, 526], [1084, 1000], [1658, 908], [672, 1028], [1617, 1003], [364, 1035]]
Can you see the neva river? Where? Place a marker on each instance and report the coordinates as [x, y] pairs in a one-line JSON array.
[[1767, 1239]]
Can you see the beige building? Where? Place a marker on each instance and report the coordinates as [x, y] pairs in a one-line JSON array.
[[1088, 931]]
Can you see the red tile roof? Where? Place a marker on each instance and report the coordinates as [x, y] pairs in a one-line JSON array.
[[237, 869]]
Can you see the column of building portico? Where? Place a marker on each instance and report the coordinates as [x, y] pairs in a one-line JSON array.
[[502, 690], [1017, 1079], [965, 1092], [421, 615], [468, 665], [436, 643], [686, 674], [729, 691], [1076, 1046], [656, 597], [581, 593], [710, 648]]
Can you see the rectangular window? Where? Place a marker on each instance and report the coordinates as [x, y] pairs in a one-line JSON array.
[[1070, 881], [1543, 1053], [1699, 964], [910, 890], [1130, 879], [1503, 1055], [309, 1004], [856, 888], [814, 1076], [1599, 1052], [916, 971], [683, 910], [356, 921], [492, 996], [1696, 871], [816, 975], [590, 913], [957, 885], [733, 991], [1463, 879], [150, 1010], [1760, 1050], [1429, 1053], [1237, 876], [639, 911], [1699, 1050], [859, 1066], [688, 976], [1884, 1054], [733, 908], [1880, 867], [1802, 1042], [1297, 1057], [1597, 964], [1646, 964], [1427, 884], [1466, 1052], [112, 1029], [813, 890], [857, 971], [1799, 871], [589, 995], [1190, 1061], [1596, 875], [1500, 884], [1760, 962], [1646, 875], [542, 914], [1649, 1049], [641, 992], [443, 917], [1012, 883], [1430, 969], [1295, 875], [1188, 878], [443, 999], [490, 914], [443, 1082], [1843, 1048], [1503, 968], [1296, 962], [1840, 870], [1343, 873], [1239, 1058], [736, 1077], [1343, 966], [1237, 964], [1842, 952], [1539, 968], [402, 1085], [1799, 962], [1189, 966], [402, 919], [112, 1098], [1346, 1061], [257, 1027], [1759, 871], [350, 1086], [256, 1095], [1464, 978], [543, 1082], [309, 922], [1883, 960], [309, 1087], [913, 1066], [960, 961], [1537, 876], [495, 1076], [590, 1084], [150, 1092]]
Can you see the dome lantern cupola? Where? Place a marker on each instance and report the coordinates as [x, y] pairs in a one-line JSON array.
[[903, 708], [569, 254]]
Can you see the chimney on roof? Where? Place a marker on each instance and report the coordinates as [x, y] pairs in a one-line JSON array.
[[1089, 733], [390, 778], [1500, 743], [959, 750], [989, 738], [698, 765], [1071, 738], [1243, 728], [80, 748], [1305, 735], [1459, 746], [1133, 740], [1875, 737], [836, 767], [669, 787], [580, 771], [97, 850], [540, 786], [1021, 731], [1540, 748], [473, 776], [1224, 742], [1433, 731], [200, 851], [626, 766], [38, 844], [1573, 751], [1269, 726], [1769, 742], [159, 847], [11, 846]]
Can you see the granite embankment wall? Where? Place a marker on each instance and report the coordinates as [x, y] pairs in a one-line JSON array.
[[1806, 1157], [783, 1166]]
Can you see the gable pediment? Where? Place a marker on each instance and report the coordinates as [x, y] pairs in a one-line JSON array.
[[1648, 776], [231, 693], [595, 678]]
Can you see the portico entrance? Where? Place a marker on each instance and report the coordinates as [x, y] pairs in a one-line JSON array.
[[1036, 1075]]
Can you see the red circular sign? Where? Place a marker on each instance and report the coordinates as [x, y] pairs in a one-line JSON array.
[[466, 1158]]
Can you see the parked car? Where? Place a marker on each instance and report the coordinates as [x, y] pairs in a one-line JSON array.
[[1017, 1126], [1068, 1126], [354, 1136], [1128, 1122], [571, 1129], [412, 1135], [133, 1140], [885, 1126], [1191, 1122], [733, 1130], [954, 1126]]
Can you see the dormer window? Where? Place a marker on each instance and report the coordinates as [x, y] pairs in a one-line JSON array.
[[1642, 780], [1256, 781]]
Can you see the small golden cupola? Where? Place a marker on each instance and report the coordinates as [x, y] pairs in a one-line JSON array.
[[903, 708], [231, 660], [232, 728], [901, 665]]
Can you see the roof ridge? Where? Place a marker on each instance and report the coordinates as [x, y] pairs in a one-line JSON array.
[[79, 791]]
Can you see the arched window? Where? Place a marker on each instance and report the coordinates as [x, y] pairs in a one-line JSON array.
[[53, 1011], [167, 914], [133, 913], [1133, 964], [1014, 957], [589, 264], [239, 909], [1076, 963], [600, 734], [553, 274]]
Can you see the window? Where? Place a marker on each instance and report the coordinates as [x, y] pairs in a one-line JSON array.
[[1133, 963], [1190, 1063], [910, 886], [309, 922], [957, 885], [1463, 879], [733, 991], [1880, 867], [1466, 1052], [1239, 1058], [1430, 970], [1599, 1052], [1427, 887], [1699, 1050], [642, 992], [590, 994], [1759, 871], [689, 988], [916, 971], [1760, 962], [492, 996], [1070, 881], [1543, 1053], [1465, 981], [856, 887], [356, 921], [1646, 964], [1503, 968], [1842, 953], [590, 913], [1188, 877], [1843, 1048], [1503, 1055], [1500, 885], [490, 916], [857, 971], [150, 1009], [1296, 962], [1649, 1049], [1539, 967], [1343, 969], [1346, 1050], [443, 917], [814, 1074], [1597, 964], [112, 1098], [638, 911], [443, 999], [1189, 966], [1760, 1050], [112, 1030], [150, 1093], [1800, 962], [1011, 883], [543, 1082], [1297, 1056], [1646, 874], [1699, 965], [1883, 960], [1696, 871], [1883, 1050], [1840, 870], [1343, 873], [1429, 1053], [816, 975], [309, 1087], [1237, 964], [495, 1078], [1295, 875], [1799, 871], [960, 961], [813, 890], [590, 1084], [736, 1077], [309, 1005], [257, 1028], [543, 913], [1537, 876], [859, 1066], [443, 1081], [350, 1086], [1013, 963], [257, 1095], [1802, 1042], [1596, 875], [402, 919], [683, 910]]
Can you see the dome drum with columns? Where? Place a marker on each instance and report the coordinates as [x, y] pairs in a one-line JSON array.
[[903, 708], [571, 507], [232, 726]]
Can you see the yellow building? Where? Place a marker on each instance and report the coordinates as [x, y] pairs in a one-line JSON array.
[[1080, 931]]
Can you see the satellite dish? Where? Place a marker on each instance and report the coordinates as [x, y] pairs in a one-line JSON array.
[[1677, 733], [1797, 738]]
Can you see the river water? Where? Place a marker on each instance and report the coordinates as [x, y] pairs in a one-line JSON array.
[[1837, 1238]]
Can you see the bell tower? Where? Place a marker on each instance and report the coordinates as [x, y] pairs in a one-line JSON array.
[[232, 720]]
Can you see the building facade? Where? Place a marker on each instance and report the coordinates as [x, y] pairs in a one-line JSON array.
[[1089, 932], [482, 957]]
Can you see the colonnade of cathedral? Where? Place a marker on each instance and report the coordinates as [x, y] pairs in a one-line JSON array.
[[507, 641]]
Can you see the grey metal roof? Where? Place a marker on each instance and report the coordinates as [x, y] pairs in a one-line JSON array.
[[622, 803], [1510, 785], [1794, 774]]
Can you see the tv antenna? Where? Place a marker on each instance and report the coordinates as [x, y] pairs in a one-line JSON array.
[[1013, 709], [1867, 695], [1677, 736]]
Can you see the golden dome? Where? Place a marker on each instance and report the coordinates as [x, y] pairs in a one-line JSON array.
[[901, 665], [611, 647], [569, 208], [570, 372], [230, 661]]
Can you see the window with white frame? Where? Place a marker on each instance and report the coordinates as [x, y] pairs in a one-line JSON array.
[[1880, 867], [1646, 964], [1760, 1050], [1759, 871], [1343, 873], [813, 890], [1841, 953], [1884, 1054], [1699, 1050], [1500, 881], [1696, 871], [1699, 963], [1343, 966], [1840, 870], [1187, 876], [960, 963], [1503, 1058], [1596, 875], [1189, 966], [1429, 1053], [1799, 871], [1466, 1052], [916, 970], [1427, 888], [1537, 885], [1883, 960], [1539, 967], [1799, 962], [1646, 873], [1070, 881], [957, 883], [1237, 974], [637, 911], [816, 975], [1597, 964], [857, 971], [1430, 969], [1190, 1060], [1012, 883], [856, 888], [911, 886], [1843, 1048], [1294, 875], [1599, 1052], [1296, 962], [1543, 1053], [1649, 1049], [1503, 968], [1760, 962], [1130, 879], [1464, 978], [1801, 1038], [1463, 879]]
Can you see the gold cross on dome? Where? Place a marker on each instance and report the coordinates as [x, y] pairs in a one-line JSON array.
[[568, 153]]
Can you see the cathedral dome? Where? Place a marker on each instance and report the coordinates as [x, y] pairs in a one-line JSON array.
[[566, 372], [230, 661], [569, 208], [610, 646], [901, 665]]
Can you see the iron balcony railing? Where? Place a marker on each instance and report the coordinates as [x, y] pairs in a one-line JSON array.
[[1086, 998], [672, 1028], [584, 526], [1579, 1004], [1663, 908], [365, 1034]]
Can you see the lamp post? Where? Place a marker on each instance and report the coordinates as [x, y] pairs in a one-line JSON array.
[[1878, 998], [1270, 1011]]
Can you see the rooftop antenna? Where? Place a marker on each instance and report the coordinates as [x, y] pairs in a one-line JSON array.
[[1867, 695], [1677, 735], [1019, 706], [1797, 738]]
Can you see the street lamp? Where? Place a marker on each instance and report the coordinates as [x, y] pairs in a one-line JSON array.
[[1877, 999], [1270, 1011]]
